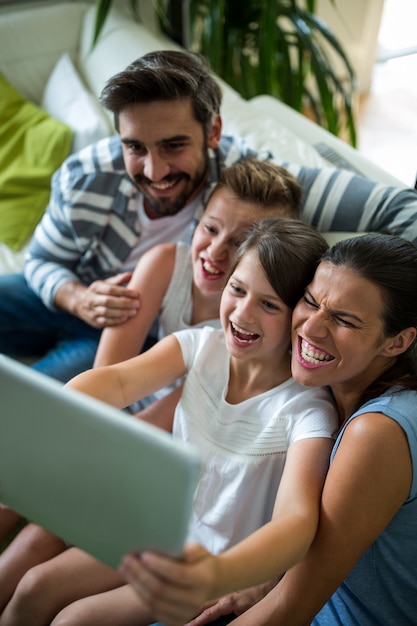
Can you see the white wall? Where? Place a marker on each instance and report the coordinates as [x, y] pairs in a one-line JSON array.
[[356, 24]]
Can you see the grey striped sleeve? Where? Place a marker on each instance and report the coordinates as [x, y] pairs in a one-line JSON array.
[[86, 228], [341, 201]]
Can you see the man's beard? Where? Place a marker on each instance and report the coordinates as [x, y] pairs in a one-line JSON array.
[[164, 207]]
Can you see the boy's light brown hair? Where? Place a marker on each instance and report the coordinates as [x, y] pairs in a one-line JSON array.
[[264, 183]]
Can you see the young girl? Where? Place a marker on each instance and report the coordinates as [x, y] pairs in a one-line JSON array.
[[264, 438]]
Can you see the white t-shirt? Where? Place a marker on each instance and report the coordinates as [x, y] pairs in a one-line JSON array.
[[177, 305], [243, 445], [170, 229]]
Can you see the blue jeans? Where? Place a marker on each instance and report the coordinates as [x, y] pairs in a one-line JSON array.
[[62, 344]]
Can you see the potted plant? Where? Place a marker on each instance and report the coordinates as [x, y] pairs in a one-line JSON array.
[[275, 47]]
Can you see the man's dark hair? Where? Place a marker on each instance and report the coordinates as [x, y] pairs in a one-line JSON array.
[[165, 75]]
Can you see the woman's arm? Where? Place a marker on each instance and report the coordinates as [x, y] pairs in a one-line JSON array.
[[123, 383], [368, 481], [175, 591], [150, 280]]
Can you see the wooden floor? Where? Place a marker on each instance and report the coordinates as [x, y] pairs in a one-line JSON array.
[[387, 120]]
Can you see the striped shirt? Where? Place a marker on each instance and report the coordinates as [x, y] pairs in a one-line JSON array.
[[337, 200], [91, 224]]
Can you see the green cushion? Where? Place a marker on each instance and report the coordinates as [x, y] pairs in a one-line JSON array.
[[32, 146]]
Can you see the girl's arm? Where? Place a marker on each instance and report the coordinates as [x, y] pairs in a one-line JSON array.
[[123, 383], [150, 280], [175, 591], [368, 481]]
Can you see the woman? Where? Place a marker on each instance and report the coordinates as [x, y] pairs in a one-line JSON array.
[[354, 330]]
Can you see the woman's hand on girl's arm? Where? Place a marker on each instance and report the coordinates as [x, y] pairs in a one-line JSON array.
[[175, 592], [235, 603]]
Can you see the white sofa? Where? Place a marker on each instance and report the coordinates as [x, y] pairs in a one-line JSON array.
[[35, 35]]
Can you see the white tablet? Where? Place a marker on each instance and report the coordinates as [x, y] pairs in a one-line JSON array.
[[91, 474]]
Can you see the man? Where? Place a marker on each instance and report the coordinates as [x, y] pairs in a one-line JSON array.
[[147, 185], [112, 202]]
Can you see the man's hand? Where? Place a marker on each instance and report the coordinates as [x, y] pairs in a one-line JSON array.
[[103, 303]]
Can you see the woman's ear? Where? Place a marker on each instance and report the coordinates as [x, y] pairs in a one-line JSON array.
[[400, 343], [215, 133]]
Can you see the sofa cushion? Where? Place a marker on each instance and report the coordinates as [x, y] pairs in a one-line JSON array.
[[122, 41], [32, 146], [67, 99], [32, 38]]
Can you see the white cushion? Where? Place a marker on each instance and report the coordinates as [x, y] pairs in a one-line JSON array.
[[32, 38], [312, 134], [11, 261], [334, 237], [66, 98], [122, 41], [266, 133]]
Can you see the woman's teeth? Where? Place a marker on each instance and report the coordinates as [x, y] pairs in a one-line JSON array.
[[312, 355]]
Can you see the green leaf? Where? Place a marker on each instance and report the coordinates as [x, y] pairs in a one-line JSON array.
[[278, 47], [102, 10], [134, 7]]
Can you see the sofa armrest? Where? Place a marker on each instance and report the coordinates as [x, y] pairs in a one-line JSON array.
[[335, 151]]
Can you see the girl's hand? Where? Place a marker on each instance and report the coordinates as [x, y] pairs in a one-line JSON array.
[[174, 590]]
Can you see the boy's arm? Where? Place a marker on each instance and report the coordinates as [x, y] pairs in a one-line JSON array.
[[150, 281]]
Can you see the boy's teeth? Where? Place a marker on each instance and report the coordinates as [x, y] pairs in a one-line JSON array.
[[209, 268]]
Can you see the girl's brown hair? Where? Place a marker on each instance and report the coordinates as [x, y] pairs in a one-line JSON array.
[[289, 252]]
